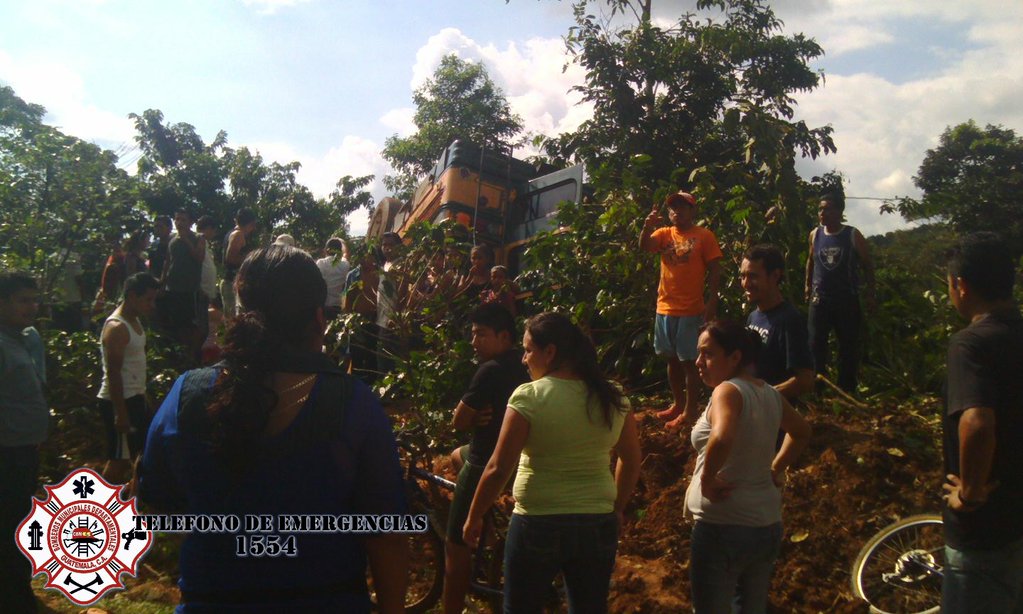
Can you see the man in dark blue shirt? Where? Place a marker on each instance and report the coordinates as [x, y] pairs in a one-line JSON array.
[[838, 254], [983, 433], [784, 361]]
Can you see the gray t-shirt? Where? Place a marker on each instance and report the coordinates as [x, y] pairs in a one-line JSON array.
[[24, 413], [755, 501], [183, 272]]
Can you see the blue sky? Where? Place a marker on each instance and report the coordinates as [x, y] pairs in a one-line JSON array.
[[324, 82]]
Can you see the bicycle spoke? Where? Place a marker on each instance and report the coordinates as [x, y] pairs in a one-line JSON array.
[[897, 573]]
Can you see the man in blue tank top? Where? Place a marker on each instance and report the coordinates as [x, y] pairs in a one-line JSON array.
[[838, 254]]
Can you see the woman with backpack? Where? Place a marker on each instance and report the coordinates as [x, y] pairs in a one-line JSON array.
[[276, 428]]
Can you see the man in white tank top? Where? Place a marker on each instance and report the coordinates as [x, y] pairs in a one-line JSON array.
[[122, 395]]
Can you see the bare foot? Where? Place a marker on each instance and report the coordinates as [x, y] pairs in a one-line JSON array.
[[669, 414], [680, 421]]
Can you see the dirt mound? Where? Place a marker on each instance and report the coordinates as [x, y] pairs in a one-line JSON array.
[[861, 472]]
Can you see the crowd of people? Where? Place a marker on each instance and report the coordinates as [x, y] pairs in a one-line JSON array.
[[271, 425]]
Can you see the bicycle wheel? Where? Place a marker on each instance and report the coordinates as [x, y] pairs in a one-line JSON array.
[[899, 570], [489, 561], [426, 571]]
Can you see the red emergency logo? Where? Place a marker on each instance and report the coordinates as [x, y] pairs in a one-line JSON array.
[[83, 537]]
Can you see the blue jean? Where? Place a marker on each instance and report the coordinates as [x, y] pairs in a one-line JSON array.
[[730, 567], [983, 580], [581, 546]]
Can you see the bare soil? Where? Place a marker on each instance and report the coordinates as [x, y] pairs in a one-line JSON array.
[[862, 471]]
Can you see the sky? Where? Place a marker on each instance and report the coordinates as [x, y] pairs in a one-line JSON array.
[[325, 82]]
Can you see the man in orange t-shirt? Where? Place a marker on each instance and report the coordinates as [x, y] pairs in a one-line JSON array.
[[690, 256]]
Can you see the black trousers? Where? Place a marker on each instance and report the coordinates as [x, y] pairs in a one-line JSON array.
[[19, 474], [844, 317]]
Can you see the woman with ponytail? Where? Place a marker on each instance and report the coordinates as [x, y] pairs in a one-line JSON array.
[[273, 429], [735, 493], [560, 431]]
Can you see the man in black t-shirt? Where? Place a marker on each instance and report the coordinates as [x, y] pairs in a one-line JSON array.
[[983, 433], [183, 305], [481, 409], [784, 361], [158, 253]]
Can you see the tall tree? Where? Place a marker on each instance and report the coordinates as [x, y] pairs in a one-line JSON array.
[[284, 205], [178, 169], [55, 191], [459, 102], [973, 180], [705, 104], [314, 220]]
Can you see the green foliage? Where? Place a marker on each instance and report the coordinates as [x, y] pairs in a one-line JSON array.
[[593, 272], [316, 220], [56, 191], [697, 95], [459, 102], [435, 366], [180, 170], [908, 335], [74, 371], [973, 180], [433, 363], [704, 105]]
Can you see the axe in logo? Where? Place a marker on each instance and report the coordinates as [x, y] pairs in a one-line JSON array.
[[83, 587]]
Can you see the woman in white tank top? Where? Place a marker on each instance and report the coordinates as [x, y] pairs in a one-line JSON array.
[[735, 495]]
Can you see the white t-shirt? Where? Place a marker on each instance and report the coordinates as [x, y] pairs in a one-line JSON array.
[[208, 279], [67, 283], [334, 272]]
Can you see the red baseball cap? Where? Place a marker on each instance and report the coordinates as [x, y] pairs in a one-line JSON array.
[[679, 198]]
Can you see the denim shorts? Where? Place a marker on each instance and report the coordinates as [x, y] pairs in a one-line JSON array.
[[983, 580], [731, 567], [677, 336], [581, 546]]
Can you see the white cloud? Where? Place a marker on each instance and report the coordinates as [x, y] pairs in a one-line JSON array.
[[855, 37], [400, 121], [61, 90], [883, 129], [269, 7], [532, 74], [355, 156]]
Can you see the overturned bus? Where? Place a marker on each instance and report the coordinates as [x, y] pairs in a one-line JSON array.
[[503, 201]]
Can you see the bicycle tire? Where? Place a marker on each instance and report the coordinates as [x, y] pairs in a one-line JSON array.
[[426, 572], [895, 573]]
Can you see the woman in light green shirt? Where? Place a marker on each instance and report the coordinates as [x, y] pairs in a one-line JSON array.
[[561, 432]]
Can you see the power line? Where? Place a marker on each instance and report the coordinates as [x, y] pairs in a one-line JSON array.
[[885, 198]]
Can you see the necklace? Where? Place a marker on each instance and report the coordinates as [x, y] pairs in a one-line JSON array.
[[303, 382], [299, 401], [290, 405]]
